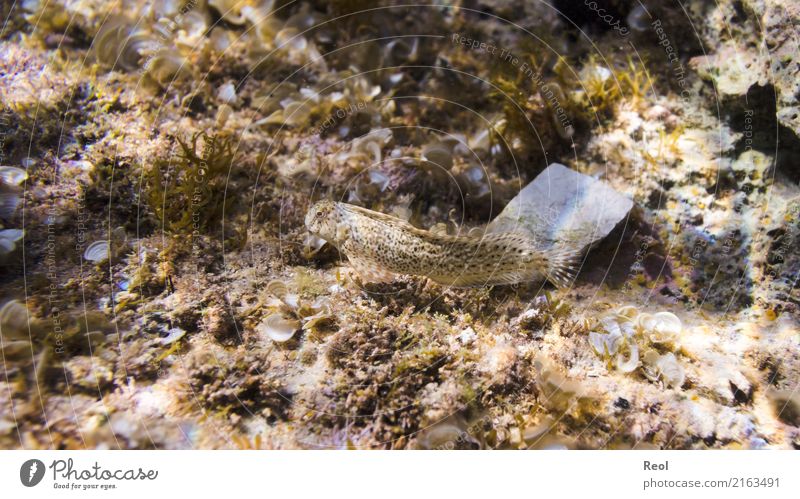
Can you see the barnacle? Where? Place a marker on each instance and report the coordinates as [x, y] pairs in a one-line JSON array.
[[618, 342]]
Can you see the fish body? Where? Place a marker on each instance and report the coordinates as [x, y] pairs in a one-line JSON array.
[[380, 246]]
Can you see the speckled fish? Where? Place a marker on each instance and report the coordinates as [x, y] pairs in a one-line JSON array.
[[380, 246]]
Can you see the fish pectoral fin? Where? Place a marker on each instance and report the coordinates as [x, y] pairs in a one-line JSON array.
[[369, 271]]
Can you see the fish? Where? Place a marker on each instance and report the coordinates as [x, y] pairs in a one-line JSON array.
[[380, 247]]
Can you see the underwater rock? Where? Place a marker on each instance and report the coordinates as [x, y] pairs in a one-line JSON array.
[[765, 58], [564, 206]]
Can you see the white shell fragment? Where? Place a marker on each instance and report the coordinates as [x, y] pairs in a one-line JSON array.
[[278, 328], [562, 205], [595, 72], [227, 93]]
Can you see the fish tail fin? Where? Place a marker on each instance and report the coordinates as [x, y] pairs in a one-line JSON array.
[[562, 265]]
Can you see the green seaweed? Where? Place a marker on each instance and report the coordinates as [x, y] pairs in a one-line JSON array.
[[187, 192]]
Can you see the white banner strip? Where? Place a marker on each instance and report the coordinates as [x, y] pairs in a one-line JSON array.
[[409, 474]]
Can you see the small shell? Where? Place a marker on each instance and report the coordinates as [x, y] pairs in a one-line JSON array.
[[227, 93], [230, 10], [289, 39], [598, 343], [277, 288], [398, 52], [438, 154], [449, 434], [16, 349], [8, 204], [595, 72], [194, 23], [14, 320], [379, 179], [312, 245], [628, 312], [166, 66], [631, 363], [476, 176], [672, 372], [97, 252], [278, 328], [11, 175], [481, 141], [317, 322], [663, 327], [664, 368], [638, 18], [173, 335], [9, 239]]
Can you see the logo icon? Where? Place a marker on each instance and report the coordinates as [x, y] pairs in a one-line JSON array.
[[31, 472]]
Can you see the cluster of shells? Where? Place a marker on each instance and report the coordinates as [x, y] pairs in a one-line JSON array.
[[290, 313], [11, 179], [627, 340]]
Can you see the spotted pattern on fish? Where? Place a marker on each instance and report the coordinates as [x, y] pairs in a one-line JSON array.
[[380, 246]]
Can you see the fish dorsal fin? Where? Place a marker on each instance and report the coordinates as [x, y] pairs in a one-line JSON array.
[[390, 220]]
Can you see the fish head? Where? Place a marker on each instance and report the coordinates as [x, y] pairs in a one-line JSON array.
[[323, 218]]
